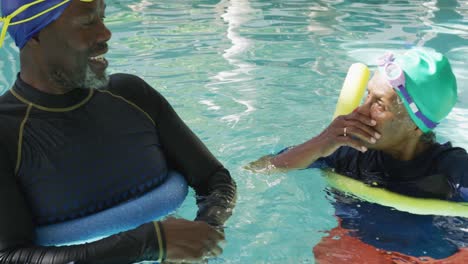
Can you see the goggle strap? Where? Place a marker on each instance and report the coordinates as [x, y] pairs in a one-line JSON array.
[[414, 108]]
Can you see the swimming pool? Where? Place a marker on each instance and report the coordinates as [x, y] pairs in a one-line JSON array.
[[253, 76]]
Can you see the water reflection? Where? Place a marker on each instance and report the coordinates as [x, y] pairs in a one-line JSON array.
[[9, 65], [236, 13]]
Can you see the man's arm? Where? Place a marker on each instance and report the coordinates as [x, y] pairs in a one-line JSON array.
[[185, 153], [215, 189]]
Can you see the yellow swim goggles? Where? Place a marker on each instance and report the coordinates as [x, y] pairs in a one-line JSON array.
[[7, 20]]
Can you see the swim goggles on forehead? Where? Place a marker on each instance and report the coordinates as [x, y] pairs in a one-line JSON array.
[[7, 21], [396, 78]]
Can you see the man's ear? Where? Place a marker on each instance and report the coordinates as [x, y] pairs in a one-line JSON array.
[[35, 38], [34, 41]]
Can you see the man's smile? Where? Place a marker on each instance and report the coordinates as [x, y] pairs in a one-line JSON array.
[[98, 62]]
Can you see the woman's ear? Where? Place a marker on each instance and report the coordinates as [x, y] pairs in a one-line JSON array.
[[418, 132]]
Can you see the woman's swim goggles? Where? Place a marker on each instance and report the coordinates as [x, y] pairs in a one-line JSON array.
[[396, 78], [7, 20]]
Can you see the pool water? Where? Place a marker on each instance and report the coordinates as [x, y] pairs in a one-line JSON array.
[[251, 77]]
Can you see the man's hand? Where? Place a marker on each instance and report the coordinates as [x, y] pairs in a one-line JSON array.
[[191, 241]]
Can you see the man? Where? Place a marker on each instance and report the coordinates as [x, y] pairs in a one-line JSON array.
[[75, 142], [388, 142]]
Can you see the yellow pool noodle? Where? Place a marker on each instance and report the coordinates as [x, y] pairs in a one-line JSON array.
[[353, 89], [419, 206]]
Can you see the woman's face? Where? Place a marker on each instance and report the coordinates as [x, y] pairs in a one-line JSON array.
[[384, 106]]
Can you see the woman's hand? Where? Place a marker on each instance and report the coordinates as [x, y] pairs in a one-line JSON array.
[[354, 130]]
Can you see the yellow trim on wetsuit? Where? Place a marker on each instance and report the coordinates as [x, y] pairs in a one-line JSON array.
[[56, 110], [130, 103], [160, 241], [20, 138]]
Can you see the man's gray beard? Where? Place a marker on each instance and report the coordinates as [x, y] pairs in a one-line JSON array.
[[92, 81], [89, 81]]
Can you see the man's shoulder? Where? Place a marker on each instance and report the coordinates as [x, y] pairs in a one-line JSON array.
[[11, 108], [12, 113], [7, 98], [126, 78], [131, 87], [123, 82]]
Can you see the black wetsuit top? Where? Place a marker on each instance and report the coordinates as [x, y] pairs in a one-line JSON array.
[[440, 172], [67, 156]]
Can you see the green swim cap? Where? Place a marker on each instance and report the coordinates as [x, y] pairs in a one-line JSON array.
[[430, 83]]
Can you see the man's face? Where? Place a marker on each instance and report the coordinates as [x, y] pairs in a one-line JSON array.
[[385, 107], [70, 45]]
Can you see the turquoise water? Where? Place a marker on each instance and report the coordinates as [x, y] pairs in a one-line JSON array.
[[251, 77]]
